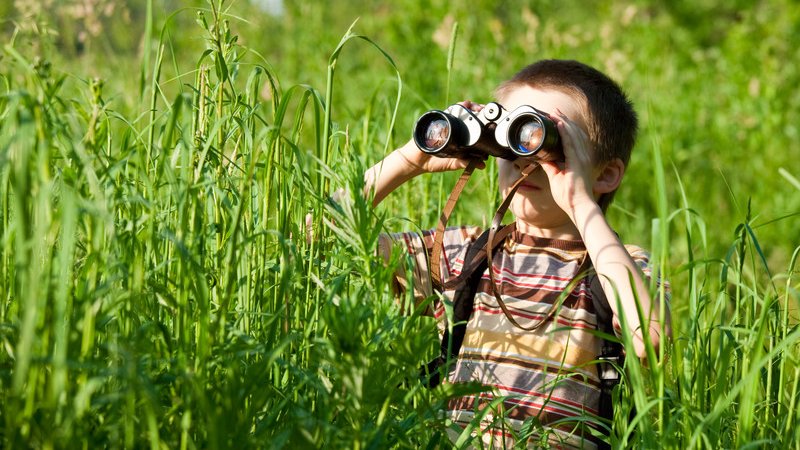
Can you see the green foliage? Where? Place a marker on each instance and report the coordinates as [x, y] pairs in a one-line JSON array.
[[160, 285]]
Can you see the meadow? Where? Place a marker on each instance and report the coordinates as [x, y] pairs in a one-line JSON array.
[[158, 161]]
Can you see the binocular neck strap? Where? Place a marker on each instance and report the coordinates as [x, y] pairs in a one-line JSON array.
[[436, 253], [495, 232]]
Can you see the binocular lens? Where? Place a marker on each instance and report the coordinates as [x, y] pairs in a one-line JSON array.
[[437, 134], [528, 137]]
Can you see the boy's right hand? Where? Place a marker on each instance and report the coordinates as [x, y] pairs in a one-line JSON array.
[[419, 162]]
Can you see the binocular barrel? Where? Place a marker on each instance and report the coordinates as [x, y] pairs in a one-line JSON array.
[[459, 132]]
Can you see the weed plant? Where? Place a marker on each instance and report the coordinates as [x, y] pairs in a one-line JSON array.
[[173, 273]]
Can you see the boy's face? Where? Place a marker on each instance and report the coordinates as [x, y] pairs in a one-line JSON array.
[[533, 204]]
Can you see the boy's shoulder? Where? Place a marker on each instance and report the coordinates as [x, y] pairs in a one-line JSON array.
[[453, 235], [454, 238], [463, 233]]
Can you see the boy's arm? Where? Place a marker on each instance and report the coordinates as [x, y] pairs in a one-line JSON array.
[[391, 172], [402, 165], [574, 187], [620, 276]]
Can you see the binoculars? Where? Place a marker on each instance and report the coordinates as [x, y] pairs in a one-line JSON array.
[[459, 132]]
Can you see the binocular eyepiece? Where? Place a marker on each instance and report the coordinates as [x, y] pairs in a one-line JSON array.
[[459, 132]]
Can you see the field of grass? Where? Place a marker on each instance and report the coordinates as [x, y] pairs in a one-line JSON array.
[[158, 159]]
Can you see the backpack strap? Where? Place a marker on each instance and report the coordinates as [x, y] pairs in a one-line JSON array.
[[604, 316], [466, 286], [612, 356]]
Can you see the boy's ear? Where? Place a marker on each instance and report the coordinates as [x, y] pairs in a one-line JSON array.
[[610, 176]]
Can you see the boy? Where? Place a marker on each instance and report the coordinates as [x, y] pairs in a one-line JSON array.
[[544, 374]]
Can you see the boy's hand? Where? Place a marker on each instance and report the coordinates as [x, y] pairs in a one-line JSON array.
[[420, 162], [571, 181]]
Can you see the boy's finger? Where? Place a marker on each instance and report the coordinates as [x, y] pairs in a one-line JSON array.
[[570, 130], [463, 163], [550, 168], [566, 136], [472, 106], [570, 142]]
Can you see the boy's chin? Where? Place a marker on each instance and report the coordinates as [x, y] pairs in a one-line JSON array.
[[540, 214]]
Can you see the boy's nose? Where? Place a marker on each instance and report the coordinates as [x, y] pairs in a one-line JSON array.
[[521, 163]]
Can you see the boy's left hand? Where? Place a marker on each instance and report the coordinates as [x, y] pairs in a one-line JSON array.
[[571, 181]]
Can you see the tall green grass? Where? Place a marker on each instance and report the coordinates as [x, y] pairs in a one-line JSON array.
[[159, 288]]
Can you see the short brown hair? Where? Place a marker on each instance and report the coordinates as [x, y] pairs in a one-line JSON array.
[[610, 116]]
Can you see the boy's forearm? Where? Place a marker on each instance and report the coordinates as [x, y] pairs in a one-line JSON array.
[[619, 275], [391, 172]]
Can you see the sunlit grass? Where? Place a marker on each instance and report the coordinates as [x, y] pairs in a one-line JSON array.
[[157, 287]]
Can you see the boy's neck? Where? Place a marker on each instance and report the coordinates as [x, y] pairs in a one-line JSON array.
[[566, 231]]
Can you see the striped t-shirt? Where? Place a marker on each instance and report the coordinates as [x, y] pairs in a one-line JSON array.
[[536, 377]]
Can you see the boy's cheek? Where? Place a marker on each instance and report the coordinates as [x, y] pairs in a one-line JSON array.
[[503, 170]]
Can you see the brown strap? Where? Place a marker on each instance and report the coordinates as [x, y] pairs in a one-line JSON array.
[[498, 218], [436, 254], [480, 257]]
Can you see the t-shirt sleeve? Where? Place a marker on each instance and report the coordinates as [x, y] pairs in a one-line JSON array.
[[419, 247], [642, 259]]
